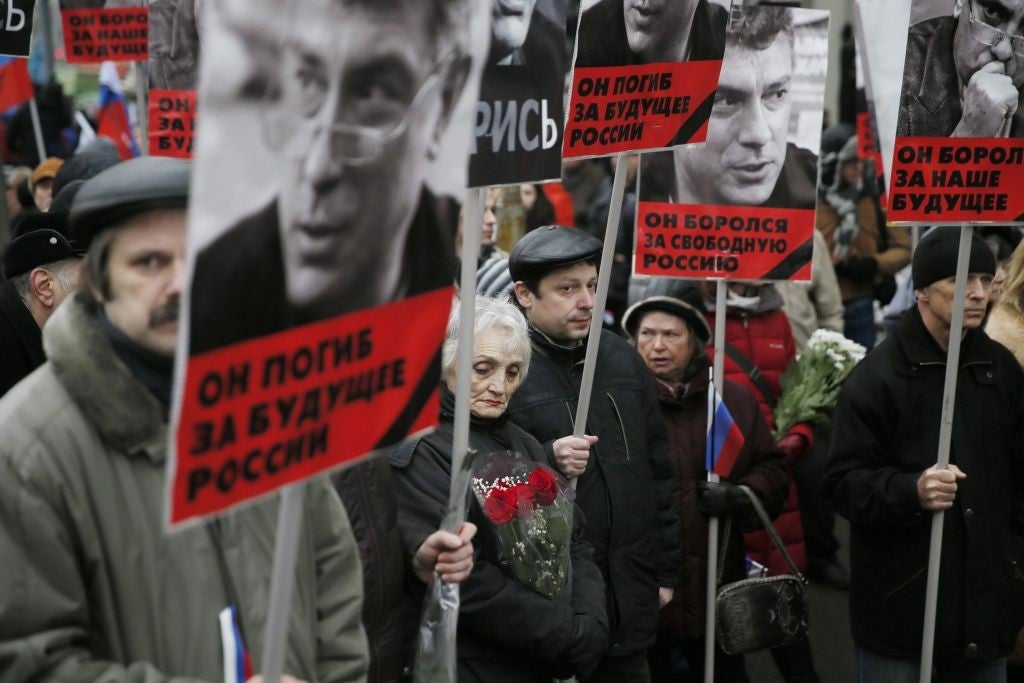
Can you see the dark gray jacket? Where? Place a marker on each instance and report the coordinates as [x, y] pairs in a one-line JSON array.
[[626, 492]]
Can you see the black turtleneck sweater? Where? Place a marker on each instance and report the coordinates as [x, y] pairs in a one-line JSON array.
[[153, 370]]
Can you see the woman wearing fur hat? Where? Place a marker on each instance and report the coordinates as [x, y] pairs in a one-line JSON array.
[[671, 337]]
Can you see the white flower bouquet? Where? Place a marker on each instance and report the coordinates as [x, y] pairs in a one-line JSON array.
[[810, 386]]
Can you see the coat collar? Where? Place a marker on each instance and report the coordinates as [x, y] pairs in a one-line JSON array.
[[565, 355], [920, 348], [126, 415]]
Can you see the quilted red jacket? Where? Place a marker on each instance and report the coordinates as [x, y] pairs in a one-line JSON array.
[[765, 337]]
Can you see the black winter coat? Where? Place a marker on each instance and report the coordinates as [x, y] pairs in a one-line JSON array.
[[367, 490], [21, 340], [507, 632], [886, 432], [626, 492]]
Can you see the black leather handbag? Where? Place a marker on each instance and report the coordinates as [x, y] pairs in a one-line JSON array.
[[760, 613]]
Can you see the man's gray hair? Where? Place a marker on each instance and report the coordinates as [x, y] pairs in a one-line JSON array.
[[61, 271], [490, 314]]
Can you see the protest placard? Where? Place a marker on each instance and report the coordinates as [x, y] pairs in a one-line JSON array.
[[105, 30], [519, 117], [172, 122], [644, 76], [16, 27], [742, 206], [959, 150], [174, 48], [321, 245], [867, 127]]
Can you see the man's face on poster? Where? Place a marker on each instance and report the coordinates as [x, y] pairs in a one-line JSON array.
[[364, 100], [970, 49], [746, 143], [510, 22], [656, 29]]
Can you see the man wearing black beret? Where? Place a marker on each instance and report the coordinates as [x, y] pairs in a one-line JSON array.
[[621, 464], [882, 476], [41, 268]]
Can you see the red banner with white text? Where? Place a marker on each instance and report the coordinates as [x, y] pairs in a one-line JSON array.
[[274, 410], [957, 180], [734, 242]]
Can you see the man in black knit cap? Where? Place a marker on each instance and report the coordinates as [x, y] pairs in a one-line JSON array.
[[882, 476]]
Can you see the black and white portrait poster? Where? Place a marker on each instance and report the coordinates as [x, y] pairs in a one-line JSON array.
[[16, 18], [644, 75], [741, 206], [334, 141], [519, 119], [104, 30], [960, 133], [174, 41]]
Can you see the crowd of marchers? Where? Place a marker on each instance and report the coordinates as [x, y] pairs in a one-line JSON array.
[[93, 589]]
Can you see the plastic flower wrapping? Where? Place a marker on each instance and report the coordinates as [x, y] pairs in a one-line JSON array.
[[810, 386], [530, 506], [436, 654]]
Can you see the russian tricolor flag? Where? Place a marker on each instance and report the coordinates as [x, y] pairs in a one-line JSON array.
[[113, 114], [237, 664], [724, 438], [15, 84]]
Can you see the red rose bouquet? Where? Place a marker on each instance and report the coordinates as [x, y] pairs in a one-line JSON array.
[[530, 506]]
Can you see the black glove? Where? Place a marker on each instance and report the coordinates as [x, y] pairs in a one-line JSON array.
[[720, 499], [858, 268]]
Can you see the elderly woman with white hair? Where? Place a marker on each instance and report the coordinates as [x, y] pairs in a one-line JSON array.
[[507, 631]]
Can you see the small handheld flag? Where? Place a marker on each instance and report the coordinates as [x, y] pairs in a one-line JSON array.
[[15, 84], [724, 438], [237, 664], [112, 118]]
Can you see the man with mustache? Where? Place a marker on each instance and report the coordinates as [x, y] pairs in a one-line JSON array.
[[621, 463], [628, 32], [964, 73], [882, 476], [747, 160], [92, 586]]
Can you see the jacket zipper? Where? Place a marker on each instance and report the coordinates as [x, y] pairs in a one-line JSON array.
[[622, 425]]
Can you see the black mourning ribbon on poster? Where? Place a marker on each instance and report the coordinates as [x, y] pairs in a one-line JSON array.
[[427, 385], [792, 263], [698, 118]]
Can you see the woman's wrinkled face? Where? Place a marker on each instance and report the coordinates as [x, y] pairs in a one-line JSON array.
[[497, 372]]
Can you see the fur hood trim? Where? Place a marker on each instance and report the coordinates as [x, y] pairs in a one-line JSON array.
[[126, 415], [1006, 326]]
